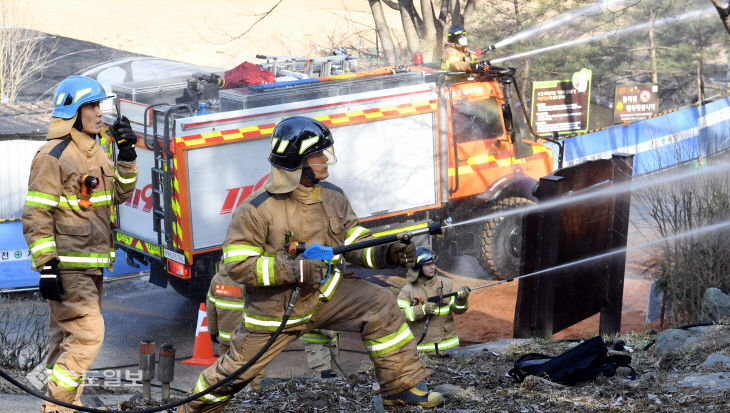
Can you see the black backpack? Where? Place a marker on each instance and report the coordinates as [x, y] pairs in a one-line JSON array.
[[584, 362]]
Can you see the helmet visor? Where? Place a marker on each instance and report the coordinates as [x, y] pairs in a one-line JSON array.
[[322, 158]]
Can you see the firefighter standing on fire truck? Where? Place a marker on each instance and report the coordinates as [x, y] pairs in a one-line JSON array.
[[456, 55], [440, 333], [67, 224], [296, 205]]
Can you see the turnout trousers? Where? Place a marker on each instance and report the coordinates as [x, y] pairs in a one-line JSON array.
[[77, 331], [358, 306]]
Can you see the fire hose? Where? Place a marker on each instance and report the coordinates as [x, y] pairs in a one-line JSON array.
[[295, 249]]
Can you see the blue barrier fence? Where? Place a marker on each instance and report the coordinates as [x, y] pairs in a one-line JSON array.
[[661, 141]]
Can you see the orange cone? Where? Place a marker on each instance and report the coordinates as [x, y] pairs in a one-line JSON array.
[[203, 348]]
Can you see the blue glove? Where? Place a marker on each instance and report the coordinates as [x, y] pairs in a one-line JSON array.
[[318, 252]]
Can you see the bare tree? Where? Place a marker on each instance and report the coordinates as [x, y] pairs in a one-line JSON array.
[[22, 55], [424, 30], [381, 27], [724, 12]]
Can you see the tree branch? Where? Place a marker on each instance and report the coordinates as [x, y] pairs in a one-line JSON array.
[[256, 22], [392, 4], [724, 11]]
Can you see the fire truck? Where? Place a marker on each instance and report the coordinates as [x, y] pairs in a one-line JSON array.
[[413, 144]]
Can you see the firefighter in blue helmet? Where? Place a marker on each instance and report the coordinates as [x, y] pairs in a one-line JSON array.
[[440, 331], [72, 188]]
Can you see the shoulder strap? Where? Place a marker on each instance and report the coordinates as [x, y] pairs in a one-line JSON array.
[[58, 149]]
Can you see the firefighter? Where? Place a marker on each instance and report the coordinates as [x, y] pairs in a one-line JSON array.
[[440, 333], [224, 308], [297, 205], [322, 350], [456, 56], [67, 225]]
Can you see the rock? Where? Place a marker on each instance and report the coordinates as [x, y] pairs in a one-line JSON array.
[[451, 390], [717, 360], [378, 404], [676, 341], [715, 305], [710, 383], [495, 347], [654, 308], [669, 342]]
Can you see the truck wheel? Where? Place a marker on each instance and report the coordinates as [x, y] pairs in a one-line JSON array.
[[501, 240]]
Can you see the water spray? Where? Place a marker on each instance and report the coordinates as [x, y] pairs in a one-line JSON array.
[[689, 233], [586, 195], [568, 16], [642, 26]]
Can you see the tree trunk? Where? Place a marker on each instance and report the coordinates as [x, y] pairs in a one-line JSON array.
[[409, 21], [700, 82], [652, 49], [383, 32], [724, 13], [431, 45], [525, 78]]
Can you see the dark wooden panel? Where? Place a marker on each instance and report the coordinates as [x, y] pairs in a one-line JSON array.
[[566, 243]]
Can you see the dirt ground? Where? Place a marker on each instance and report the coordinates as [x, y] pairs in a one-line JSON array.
[[218, 33], [491, 313]]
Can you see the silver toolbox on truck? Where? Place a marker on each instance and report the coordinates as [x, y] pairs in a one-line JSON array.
[[170, 90]]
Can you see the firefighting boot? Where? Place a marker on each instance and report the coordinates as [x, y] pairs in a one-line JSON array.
[[414, 395]]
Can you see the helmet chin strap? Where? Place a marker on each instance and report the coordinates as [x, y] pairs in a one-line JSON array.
[[308, 176]]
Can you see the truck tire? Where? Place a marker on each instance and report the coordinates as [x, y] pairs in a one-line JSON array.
[[501, 240]]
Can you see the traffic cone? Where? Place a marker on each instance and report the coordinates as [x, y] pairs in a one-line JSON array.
[[203, 348]]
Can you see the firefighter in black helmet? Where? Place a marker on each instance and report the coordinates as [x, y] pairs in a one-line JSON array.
[[457, 57], [296, 204]]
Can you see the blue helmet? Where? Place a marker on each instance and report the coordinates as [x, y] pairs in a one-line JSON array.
[[73, 92], [424, 256]]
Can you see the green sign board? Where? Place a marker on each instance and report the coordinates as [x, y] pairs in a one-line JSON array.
[[562, 105]]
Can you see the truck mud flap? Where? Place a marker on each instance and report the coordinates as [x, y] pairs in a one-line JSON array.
[[158, 275]]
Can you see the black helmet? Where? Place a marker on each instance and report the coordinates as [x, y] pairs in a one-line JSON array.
[[295, 138], [423, 256], [456, 32]]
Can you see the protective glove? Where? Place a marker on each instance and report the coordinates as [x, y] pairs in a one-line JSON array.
[[214, 338], [403, 254], [429, 308], [125, 137], [50, 284], [463, 293], [310, 271]]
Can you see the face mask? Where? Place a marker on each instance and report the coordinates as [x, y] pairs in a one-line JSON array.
[[462, 41]]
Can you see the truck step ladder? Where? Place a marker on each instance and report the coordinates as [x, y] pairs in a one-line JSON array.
[[163, 217]]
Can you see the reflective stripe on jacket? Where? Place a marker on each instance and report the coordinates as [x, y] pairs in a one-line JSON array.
[[56, 220], [224, 306], [441, 328], [254, 251]]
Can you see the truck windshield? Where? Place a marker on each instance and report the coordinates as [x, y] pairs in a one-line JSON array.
[[475, 120]]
